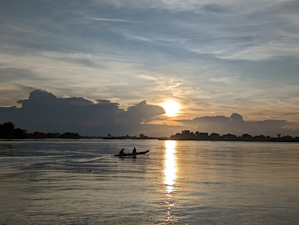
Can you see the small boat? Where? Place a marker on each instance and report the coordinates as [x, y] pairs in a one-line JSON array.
[[132, 154]]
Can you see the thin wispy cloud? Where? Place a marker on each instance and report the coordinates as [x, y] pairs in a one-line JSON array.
[[108, 19], [171, 86], [131, 36]]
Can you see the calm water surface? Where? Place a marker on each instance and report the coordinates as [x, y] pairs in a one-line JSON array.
[[177, 182]]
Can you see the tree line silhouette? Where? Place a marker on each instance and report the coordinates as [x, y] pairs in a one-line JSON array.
[[8, 131], [187, 135], [141, 136]]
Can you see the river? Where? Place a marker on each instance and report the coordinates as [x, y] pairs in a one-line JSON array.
[[56, 181]]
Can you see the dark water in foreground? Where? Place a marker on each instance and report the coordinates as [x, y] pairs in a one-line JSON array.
[[177, 182]]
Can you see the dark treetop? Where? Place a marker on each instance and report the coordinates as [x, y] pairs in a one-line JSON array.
[[187, 135]]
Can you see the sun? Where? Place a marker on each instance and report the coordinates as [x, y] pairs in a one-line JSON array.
[[171, 108]]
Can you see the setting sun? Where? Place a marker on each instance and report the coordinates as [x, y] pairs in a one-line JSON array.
[[171, 108]]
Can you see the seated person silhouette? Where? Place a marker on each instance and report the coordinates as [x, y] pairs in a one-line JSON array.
[[122, 152], [134, 151]]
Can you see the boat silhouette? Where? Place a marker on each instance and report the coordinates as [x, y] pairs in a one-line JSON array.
[[132, 154]]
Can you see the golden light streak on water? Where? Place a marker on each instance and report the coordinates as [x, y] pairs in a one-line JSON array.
[[170, 170]]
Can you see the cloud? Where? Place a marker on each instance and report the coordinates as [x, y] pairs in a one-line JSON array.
[[12, 74], [213, 8], [228, 55], [236, 125], [143, 110], [83, 60], [108, 20], [45, 112], [174, 85], [131, 36]]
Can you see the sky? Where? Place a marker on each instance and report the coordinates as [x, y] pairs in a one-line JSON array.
[[99, 66]]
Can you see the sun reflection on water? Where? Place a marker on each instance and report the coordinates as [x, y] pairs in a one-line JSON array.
[[170, 176]]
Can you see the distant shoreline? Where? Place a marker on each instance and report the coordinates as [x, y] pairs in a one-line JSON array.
[[160, 139], [199, 136], [276, 141], [9, 132]]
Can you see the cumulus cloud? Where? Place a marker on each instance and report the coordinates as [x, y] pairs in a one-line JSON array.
[[45, 112], [235, 124]]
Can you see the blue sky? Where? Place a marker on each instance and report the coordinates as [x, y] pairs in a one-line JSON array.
[[214, 58]]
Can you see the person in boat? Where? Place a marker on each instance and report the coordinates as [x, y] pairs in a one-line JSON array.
[[122, 152], [134, 151]]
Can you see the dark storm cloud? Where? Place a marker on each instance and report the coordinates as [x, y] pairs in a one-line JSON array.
[[44, 112], [236, 125]]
